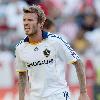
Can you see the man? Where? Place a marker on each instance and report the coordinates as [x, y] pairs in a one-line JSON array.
[[41, 55]]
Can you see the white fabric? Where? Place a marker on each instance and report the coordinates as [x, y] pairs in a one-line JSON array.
[[46, 72], [62, 95]]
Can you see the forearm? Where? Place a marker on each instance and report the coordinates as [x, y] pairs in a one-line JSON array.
[[22, 84], [81, 75]]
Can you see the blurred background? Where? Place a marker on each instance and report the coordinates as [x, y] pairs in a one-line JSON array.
[[78, 21]]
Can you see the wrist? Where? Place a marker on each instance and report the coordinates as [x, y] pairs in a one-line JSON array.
[[83, 91]]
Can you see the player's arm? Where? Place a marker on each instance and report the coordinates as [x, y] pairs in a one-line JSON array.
[[68, 54], [81, 75], [22, 84], [22, 72], [80, 69]]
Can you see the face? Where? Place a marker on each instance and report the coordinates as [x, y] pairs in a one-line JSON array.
[[31, 24]]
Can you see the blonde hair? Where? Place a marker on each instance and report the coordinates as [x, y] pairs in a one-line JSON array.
[[36, 9]]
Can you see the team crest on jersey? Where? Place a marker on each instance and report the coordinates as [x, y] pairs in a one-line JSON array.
[[46, 52]]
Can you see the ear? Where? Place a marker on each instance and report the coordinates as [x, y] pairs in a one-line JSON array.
[[41, 25]]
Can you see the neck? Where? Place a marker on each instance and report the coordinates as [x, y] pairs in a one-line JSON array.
[[36, 38]]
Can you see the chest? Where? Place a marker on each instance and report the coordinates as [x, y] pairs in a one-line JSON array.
[[38, 53]]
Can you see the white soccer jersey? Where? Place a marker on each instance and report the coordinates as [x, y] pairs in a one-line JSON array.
[[45, 63]]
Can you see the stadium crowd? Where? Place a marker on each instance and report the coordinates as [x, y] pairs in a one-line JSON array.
[[78, 21]]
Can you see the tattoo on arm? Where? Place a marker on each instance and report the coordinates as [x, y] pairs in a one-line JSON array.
[[22, 84], [80, 69]]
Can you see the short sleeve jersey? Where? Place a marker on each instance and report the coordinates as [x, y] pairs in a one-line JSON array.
[[45, 63]]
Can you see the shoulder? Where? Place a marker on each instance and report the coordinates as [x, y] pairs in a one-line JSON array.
[[60, 41], [57, 38], [53, 36], [20, 45]]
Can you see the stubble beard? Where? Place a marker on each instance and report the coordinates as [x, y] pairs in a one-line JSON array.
[[33, 33]]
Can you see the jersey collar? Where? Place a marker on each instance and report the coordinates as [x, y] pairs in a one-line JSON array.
[[44, 36]]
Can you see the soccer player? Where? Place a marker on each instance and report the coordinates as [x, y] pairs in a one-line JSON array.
[[42, 55]]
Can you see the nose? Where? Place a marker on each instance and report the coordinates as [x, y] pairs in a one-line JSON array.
[[25, 21], [25, 24]]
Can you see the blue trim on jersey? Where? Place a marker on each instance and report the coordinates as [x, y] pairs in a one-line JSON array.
[[50, 34], [26, 39], [44, 36], [67, 45]]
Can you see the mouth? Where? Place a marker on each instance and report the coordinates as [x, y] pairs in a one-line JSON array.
[[27, 29]]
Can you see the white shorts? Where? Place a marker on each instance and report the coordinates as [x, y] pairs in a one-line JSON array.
[[59, 96]]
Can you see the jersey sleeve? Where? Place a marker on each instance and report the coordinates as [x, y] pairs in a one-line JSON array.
[[66, 52], [20, 66]]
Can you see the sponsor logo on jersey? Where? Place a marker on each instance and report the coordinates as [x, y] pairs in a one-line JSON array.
[[46, 52], [43, 62]]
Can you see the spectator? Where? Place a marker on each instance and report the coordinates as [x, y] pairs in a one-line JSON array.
[[49, 26], [80, 43], [14, 15]]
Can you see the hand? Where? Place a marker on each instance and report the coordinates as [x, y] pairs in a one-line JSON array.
[[83, 96]]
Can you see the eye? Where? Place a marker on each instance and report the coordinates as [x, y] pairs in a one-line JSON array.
[[30, 19], [23, 19]]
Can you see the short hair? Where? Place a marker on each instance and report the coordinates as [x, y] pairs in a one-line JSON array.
[[36, 9]]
